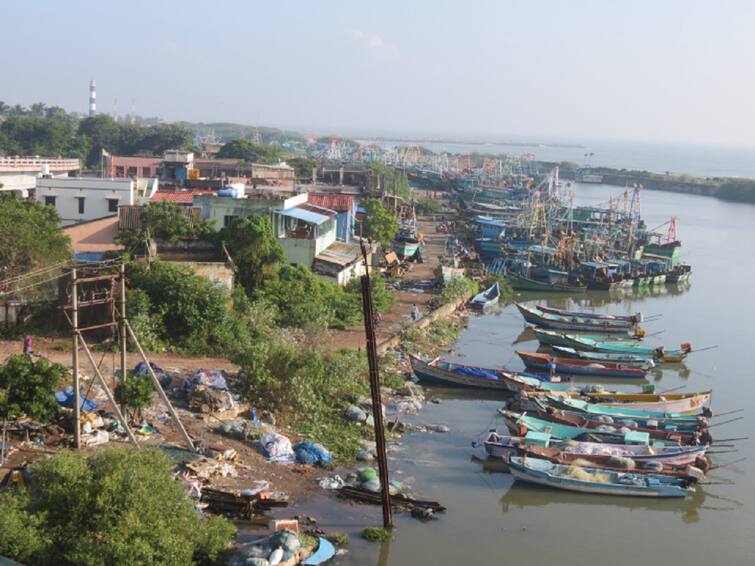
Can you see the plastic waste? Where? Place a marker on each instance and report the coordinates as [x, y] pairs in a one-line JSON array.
[[311, 453], [276, 556], [335, 482], [277, 448], [65, 399], [367, 474]]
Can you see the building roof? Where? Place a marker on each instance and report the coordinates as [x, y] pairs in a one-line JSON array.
[[303, 215], [318, 209], [334, 201], [339, 253], [94, 236], [179, 197]]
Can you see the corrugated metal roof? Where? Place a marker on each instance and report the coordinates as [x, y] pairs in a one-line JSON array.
[[339, 253], [337, 202], [304, 215]]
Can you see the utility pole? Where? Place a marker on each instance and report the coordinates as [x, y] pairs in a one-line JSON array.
[[377, 404], [75, 360], [122, 321]]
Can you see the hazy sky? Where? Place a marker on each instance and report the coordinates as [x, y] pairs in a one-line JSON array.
[[649, 70]]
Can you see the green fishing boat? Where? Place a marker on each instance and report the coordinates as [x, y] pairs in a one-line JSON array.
[[522, 283]]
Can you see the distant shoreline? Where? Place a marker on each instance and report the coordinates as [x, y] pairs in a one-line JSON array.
[[469, 142]]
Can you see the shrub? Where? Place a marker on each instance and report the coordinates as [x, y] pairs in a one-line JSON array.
[[457, 288], [382, 298], [426, 206], [136, 391], [119, 506], [376, 534], [27, 387]]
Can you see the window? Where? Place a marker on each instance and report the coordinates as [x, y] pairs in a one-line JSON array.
[[50, 201], [146, 172], [81, 204], [228, 220], [112, 205]]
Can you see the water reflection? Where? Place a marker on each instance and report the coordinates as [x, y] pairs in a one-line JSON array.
[[521, 496]]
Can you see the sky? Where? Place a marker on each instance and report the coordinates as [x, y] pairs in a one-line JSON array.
[[678, 71]]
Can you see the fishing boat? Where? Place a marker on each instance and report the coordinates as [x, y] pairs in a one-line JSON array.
[[522, 283], [628, 411], [582, 342], [679, 274], [449, 374], [505, 446], [634, 318], [591, 480], [544, 362], [534, 315], [487, 298], [658, 402], [601, 357], [406, 244], [569, 429], [560, 338]]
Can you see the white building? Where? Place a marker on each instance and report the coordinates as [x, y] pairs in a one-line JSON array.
[[80, 199], [20, 174]]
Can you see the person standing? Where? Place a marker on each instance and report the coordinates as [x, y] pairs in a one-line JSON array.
[[28, 345], [415, 312]]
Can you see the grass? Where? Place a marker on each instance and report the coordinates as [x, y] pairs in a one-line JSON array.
[[432, 339], [339, 540], [376, 534]]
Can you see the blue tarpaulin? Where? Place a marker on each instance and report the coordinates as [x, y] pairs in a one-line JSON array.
[[477, 372]]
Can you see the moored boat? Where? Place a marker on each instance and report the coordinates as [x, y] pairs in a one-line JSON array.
[[544, 362], [534, 315], [634, 318], [522, 283], [591, 480], [487, 298]]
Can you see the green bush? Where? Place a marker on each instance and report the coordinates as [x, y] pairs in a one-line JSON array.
[[376, 534], [185, 311], [27, 387], [457, 288], [136, 391], [119, 507], [382, 298]]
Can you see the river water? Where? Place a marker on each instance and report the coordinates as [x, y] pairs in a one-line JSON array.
[[491, 520]]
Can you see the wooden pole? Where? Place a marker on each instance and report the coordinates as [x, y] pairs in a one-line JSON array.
[[377, 404], [122, 322], [159, 387], [75, 360], [109, 395]]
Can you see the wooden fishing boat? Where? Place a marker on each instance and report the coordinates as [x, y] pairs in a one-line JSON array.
[[661, 403], [449, 374], [533, 315], [544, 362], [487, 298], [559, 338], [505, 446], [522, 283], [604, 482], [406, 246], [633, 319], [592, 423], [591, 344], [627, 411], [625, 359], [520, 423]]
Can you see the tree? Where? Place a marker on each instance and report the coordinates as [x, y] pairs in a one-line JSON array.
[[167, 222], [379, 224], [254, 249], [119, 507], [136, 392], [103, 132], [249, 151], [30, 236], [302, 166], [27, 388]]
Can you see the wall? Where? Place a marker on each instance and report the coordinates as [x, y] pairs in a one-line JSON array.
[[215, 209], [95, 192]]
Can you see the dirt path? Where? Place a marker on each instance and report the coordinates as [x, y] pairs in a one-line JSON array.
[[400, 312]]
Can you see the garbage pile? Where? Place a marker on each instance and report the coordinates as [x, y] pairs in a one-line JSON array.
[[207, 392]]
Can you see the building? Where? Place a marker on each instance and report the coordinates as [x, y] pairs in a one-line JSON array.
[[80, 199], [20, 174], [91, 240], [221, 211], [304, 232], [346, 211]]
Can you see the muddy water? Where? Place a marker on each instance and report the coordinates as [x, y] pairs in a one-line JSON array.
[[490, 520]]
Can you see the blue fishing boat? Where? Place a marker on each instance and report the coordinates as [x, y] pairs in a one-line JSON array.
[[596, 480], [487, 298]]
